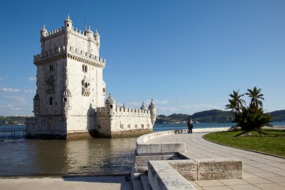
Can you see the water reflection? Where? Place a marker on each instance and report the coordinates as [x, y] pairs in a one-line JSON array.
[[56, 157]]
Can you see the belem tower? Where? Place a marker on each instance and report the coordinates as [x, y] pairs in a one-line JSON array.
[[70, 100]]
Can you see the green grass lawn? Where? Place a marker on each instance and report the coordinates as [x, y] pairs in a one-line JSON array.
[[274, 145]]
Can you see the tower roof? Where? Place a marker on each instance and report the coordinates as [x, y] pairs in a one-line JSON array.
[[151, 105], [143, 106], [44, 28], [68, 19], [110, 100]]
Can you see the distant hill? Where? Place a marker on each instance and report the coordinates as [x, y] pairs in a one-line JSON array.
[[278, 115], [212, 116], [12, 120]]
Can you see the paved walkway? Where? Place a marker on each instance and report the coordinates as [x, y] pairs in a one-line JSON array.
[[259, 171], [66, 183]]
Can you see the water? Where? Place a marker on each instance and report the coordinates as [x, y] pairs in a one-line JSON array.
[[27, 157], [58, 157]]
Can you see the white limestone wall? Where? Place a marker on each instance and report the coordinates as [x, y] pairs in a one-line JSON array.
[[100, 88], [54, 91], [81, 105], [131, 121], [122, 121], [83, 123], [47, 125], [82, 114], [84, 43], [103, 123], [53, 41]]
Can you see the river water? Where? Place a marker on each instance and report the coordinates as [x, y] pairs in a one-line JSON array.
[[28, 157]]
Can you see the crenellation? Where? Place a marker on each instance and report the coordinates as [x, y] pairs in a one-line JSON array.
[[62, 50]]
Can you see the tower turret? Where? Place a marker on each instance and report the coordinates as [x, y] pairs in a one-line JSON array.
[[143, 106], [152, 110], [68, 23], [110, 104], [44, 31], [97, 39], [37, 105], [89, 33]]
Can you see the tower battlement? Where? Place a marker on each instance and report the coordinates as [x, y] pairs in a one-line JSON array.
[[72, 52], [61, 30], [55, 32], [122, 111]]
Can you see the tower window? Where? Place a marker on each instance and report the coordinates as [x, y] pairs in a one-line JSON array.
[[51, 67], [84, 68], [50, 101]]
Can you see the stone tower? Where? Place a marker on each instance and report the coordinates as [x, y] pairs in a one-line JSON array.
[[70, 83]]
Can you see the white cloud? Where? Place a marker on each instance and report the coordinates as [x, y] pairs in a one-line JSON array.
[[130, 104], [168, 110], [29, 91], [161, 102], [32, 78], [9, 90], [4, 109], [17, 100]]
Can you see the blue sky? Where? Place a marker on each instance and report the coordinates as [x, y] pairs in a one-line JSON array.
[[187, 55]]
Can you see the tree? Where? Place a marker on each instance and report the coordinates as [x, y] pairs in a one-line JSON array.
[[252, 117], [236, 103], [256, 97]]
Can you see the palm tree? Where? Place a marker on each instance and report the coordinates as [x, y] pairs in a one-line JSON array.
[[236, 103], [251, 118], [256, 97]]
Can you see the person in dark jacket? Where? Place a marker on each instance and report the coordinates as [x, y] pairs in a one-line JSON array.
[[190, 125]]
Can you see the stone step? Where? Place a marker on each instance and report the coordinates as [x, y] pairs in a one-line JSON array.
[[145, 182], [137, 184]]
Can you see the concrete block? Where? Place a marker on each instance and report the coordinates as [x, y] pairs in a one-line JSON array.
[[162, 176], [148, 149], [143, 149], [219, 168], [187, 168], [172, 147], [141, 162]]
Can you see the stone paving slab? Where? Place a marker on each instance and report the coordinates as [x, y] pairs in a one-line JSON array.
[[69, 183], [260, 171]]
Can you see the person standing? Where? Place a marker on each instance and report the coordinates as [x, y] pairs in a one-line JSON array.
[[190, 125]]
